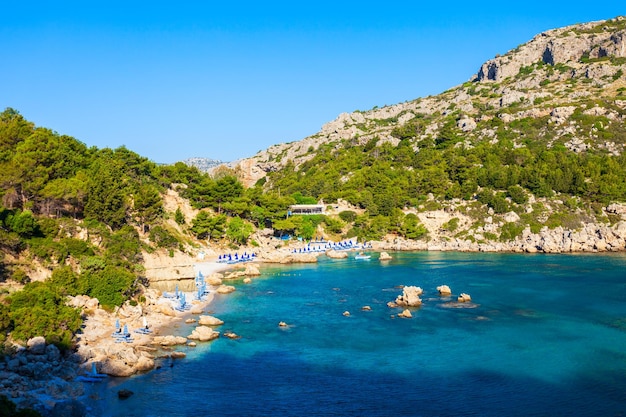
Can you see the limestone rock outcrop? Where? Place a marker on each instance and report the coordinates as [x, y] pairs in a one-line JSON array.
[[410, 297], [464, 298], [384, 256], [444, 290], [335, 254], [169, 340], [406, 313], [209, 321], [204, 334], [225, 289], [557, 46], [284, 257]]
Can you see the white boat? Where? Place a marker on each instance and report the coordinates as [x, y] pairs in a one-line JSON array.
[[362, 256]]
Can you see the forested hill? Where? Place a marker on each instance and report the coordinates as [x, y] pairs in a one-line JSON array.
[[78, 220], [546, 119]]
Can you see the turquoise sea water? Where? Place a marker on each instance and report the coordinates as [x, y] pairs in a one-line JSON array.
[[547, 336]]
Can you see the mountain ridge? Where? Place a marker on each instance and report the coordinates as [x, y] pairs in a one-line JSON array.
[[549, 76]]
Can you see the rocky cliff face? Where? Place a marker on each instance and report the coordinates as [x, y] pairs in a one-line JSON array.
[[555, 74], [560, 46]]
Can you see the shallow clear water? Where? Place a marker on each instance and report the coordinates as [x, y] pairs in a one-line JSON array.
[[547, 336]]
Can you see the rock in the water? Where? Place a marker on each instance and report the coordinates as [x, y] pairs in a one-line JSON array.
[[410, 297], [384, 256], [464, 298], [252, 271], [204, 334], [405, 314], [225, 289], [444, 290], [334, 254], [209, 321], [124, 393], [178, 355]]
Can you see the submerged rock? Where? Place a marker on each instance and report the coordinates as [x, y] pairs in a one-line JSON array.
[[406, 314], [124, 393]]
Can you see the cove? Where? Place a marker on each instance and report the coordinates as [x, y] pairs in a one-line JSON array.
[[547, 336]]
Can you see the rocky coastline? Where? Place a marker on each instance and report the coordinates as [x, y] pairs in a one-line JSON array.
[[39, 376], [591, 238]]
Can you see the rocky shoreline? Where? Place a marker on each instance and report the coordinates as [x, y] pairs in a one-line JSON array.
[[591, 238], [41, 377]]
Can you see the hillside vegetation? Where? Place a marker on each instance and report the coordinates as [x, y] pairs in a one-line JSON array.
[[539, 132]]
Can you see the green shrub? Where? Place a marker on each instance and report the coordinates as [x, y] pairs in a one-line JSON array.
[[510, 231], [111, 286], [179, 217], [65, 281], [333, 225], [412, 228], [48, 227], [76, 247], [347, 216], [20, 276], [451, 225], [39, 310], [162, 237], [9, 409], [490, 236], [517, 194]]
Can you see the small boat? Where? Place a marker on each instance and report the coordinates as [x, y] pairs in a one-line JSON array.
[[362, 256], [92, 376]]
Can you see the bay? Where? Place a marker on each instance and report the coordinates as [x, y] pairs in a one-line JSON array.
[[544, 335]]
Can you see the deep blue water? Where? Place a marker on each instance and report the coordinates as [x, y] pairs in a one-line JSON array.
[[547, 337]]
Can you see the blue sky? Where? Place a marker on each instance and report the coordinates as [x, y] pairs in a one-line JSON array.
[[173, 80]]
